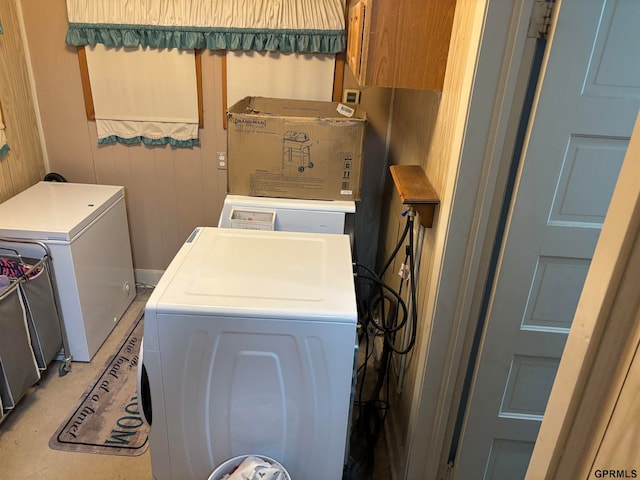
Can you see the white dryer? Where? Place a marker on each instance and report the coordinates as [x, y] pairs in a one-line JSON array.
[[249, 349]]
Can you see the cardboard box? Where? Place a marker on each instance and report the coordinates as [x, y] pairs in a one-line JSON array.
[[294, 149]]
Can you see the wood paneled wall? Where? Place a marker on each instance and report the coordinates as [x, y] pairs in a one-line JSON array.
[[425, 130], [412, 130], [23, 166], [169, 191]]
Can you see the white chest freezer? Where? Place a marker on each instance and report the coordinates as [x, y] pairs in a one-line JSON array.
[[85, 227], [249, 344]]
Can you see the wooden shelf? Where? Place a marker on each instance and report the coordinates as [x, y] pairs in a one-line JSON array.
[[415, 190]]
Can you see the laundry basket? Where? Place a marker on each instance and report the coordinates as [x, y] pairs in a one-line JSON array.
[[230, 465], [18, 368], [36, 289], [45, 324]]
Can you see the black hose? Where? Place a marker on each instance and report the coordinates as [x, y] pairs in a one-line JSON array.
[[54, 177]]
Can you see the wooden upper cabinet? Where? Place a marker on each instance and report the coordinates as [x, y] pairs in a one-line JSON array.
[[399, 43]]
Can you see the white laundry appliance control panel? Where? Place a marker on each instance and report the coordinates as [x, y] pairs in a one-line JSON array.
[[252, 219], [285, 214]]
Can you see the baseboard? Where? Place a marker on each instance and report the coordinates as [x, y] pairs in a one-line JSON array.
[[148, 277]]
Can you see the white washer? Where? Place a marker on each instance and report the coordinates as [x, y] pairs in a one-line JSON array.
[[249, 349], [287, 214]]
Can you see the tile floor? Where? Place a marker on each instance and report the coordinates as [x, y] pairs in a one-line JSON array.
[[24, 435]]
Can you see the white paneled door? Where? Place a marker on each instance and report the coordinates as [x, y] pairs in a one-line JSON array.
[[583, 114]]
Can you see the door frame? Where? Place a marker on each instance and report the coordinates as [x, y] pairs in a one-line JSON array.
[[476, 179]]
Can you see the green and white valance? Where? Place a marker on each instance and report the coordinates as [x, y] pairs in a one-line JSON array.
[[259, 25], [130, 132]]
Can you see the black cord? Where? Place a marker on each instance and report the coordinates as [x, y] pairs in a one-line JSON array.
[[414, 303], [401, 304], [384, 313], [408, 226]]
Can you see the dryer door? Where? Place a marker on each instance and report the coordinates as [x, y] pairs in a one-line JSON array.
[[144, 393]]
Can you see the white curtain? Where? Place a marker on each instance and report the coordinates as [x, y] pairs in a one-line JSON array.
[[140, 58], [144, 94], [302, 76], [244, 14]]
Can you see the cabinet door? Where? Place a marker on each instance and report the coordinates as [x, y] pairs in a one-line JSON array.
[[400, 43]]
